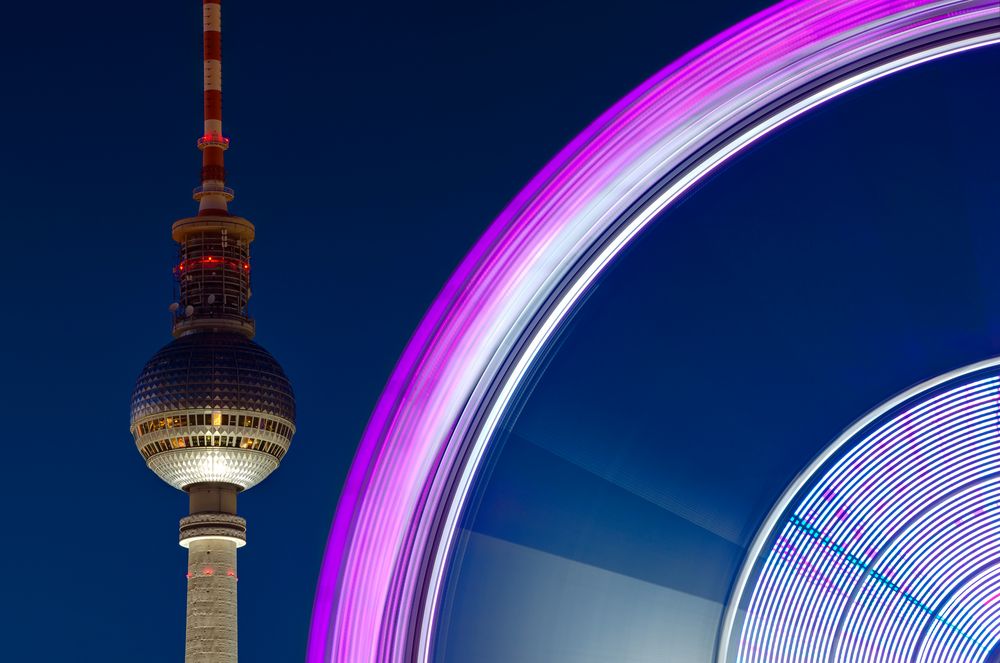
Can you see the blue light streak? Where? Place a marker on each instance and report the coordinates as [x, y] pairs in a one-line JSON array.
[[804, 526]]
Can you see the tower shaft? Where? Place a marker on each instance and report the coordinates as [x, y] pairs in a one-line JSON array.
[[212, 534], [211, 635]]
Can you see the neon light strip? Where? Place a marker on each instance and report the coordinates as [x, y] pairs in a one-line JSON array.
[[917, 498], [396, 521]]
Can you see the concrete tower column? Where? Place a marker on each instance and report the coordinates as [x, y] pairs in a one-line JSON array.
[[211, 635], [212, 534]]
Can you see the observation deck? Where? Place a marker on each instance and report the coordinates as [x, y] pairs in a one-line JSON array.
[[213, 274]]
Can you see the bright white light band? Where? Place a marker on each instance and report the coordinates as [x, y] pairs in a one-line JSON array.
[[186, 543]]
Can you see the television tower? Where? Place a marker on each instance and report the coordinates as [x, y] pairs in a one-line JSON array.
[[212, 412]]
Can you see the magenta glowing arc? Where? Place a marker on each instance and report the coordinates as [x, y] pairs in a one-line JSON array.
[[396, 521]]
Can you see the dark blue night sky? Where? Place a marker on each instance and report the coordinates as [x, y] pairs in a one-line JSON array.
[[845, 258]]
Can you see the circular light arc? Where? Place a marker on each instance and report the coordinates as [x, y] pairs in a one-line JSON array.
[[887, 546], [399, 509]]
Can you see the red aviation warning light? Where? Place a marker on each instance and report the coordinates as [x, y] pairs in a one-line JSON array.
[[212, 262]]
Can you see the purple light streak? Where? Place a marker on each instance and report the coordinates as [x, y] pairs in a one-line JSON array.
[[399, 507]]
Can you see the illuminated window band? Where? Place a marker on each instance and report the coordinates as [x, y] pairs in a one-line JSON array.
[[230, 441], [889, 550], [213, 428], [397, 519], [215, 419]]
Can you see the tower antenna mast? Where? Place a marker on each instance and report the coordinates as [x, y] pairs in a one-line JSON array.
[[213, 195]]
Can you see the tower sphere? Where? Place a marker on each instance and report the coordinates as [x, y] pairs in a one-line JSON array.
[[213, 408]]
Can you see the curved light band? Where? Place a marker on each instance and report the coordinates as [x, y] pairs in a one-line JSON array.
[[888, 547], [397, 517]]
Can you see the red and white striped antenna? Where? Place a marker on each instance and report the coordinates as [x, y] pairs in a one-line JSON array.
[[213, 194], [213, 266]]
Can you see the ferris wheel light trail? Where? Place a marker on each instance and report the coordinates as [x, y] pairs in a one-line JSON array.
[[398, 515], [892, 552]]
